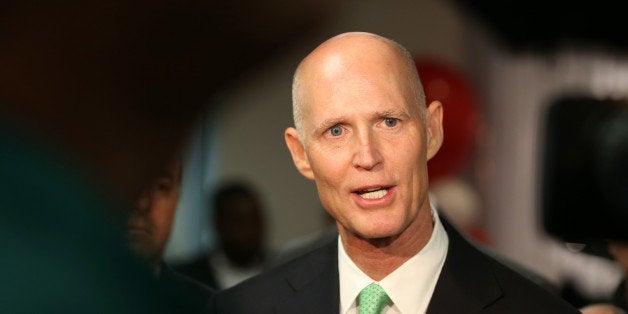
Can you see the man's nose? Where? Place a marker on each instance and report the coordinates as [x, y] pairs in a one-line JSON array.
[[143, 202], [367, 151]]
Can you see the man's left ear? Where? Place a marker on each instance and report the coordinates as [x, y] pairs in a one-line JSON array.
[[434, 128]]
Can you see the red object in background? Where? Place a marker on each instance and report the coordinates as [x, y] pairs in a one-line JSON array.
[[460, 115], [480, 236]]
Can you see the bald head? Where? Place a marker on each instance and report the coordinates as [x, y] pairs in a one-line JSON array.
[[362, 135], [331, 64]]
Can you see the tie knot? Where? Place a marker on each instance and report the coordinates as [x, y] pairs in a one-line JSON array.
[[372, 299]]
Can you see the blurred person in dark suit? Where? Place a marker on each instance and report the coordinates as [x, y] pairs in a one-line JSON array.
[[240, 228], [95, 96], [363, 134], [148, 226]]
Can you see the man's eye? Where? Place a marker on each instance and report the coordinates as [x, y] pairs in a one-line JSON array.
[[335, 130], [390, 122], [162, 185]]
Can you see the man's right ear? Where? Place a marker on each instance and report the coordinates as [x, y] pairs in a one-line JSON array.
[[299, 157]]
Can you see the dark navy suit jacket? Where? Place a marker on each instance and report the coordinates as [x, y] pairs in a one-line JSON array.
[[470, 282]]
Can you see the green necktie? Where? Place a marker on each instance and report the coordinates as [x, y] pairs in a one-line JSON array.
[[372, 299]]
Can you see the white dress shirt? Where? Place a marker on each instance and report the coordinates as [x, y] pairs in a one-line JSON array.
[[410, 286]]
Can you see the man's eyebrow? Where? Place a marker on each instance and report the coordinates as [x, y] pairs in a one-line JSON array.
[[326, 124], [165, 174], [392, 114]]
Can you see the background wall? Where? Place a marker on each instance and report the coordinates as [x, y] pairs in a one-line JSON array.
[[244, 137], [247, 138]]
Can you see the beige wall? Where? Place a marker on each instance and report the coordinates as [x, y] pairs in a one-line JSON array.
[[512, 87]]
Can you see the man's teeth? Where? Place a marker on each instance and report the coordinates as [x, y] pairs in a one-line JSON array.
[[374, 194]]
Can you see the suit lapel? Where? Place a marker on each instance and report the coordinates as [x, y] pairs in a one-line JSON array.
[[315, 284], [466, 283]]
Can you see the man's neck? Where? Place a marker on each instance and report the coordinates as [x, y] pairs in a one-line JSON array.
[[379, 257]]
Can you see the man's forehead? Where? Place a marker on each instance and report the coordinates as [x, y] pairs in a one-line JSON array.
[[332, 66], [172, 170], [347, 91], [339, 73]]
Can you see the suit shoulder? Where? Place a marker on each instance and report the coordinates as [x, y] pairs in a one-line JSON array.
[[193, 296], [192, 284], [293, 272], [526, 292], [197, 262], [275, 285], [479, 276]]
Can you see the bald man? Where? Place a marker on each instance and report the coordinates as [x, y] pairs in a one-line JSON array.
[[364, 135]]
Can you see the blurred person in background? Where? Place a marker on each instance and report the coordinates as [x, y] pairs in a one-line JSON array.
[[148, 226], [95, 96], [240, 228]]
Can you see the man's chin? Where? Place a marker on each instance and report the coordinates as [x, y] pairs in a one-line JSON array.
[[369, 232], [139, 246], [378, 235]]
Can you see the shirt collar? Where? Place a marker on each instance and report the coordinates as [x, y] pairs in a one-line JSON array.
[[410, 286]]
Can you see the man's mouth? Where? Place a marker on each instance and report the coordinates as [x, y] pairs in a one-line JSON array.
[[373, 193], [137, 229]]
